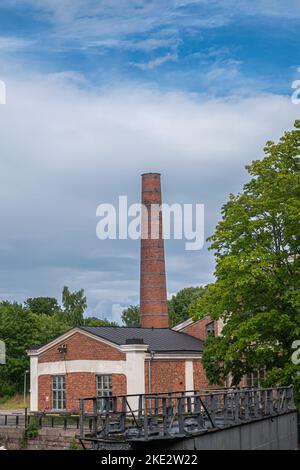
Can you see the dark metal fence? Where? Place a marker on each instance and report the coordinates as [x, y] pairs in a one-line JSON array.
[[178, 414], [162, 415], [43, 420]]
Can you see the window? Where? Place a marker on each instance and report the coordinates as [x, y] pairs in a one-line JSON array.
[[254, 378], [104, 388], [210, 328], [58, 392]]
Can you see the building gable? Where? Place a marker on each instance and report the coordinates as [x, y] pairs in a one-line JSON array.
[[80, 346], [197, 329]]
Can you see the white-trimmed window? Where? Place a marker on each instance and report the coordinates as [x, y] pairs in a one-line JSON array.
[[104, 388], [254, 378], [58, 392]]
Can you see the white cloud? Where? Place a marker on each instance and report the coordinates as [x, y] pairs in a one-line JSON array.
[[152, 64], [13, 44], [116, 313], [65, 149]]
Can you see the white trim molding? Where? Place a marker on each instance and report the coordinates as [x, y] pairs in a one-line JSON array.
[[175, 357], [34, 384], [92, 366], [220, 327], [189, 375], [181, 326], [67, 335]]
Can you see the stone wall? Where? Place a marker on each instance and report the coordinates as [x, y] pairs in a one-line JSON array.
[[12, 438], [280, 432]]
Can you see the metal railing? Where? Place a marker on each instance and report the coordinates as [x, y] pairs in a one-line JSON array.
[[43, 420], [178, 414]]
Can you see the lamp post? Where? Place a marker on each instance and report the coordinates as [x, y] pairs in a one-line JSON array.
[[25, 385]]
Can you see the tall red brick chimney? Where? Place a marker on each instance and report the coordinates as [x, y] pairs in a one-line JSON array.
[[153, 290]]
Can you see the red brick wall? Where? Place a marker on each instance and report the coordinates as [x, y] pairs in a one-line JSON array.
[[198, 329], [79, 347], [200, 380], [169, 376], [166, 375], [44, 391], [153, 292], [78, 384]]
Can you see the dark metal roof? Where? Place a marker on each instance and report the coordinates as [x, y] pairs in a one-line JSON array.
[[158, 339], [35, 347]]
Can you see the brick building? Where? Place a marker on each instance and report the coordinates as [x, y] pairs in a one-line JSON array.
[[89, 361]]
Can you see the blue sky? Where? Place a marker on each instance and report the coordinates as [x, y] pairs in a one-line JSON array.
[[216, 47], [101, 91]]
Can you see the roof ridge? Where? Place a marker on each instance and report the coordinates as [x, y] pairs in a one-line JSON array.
[[123, 326], [161, 340]]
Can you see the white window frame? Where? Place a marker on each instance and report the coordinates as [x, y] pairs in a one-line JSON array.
[[58, 390], [103, 388], [254, 378]]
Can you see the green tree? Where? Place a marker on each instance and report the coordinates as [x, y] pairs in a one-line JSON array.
[[20, 329], [180, 303], [178, 307], [131, 315], [49, 328], [93, 321], [257, 288], [74, 304], [16, 331], [47, 305]]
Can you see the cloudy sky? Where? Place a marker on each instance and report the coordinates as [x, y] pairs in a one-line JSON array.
[[100, 91]]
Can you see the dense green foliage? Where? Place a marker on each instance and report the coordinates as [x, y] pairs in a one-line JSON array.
[[131, 315], [24, 326], [93, 321], [180, 303], [74, 304], [257, 288], [178, 307], [47, 305], [20, 329]]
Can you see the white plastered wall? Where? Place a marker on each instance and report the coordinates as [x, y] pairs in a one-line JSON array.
[[189, 375], [34, 390]]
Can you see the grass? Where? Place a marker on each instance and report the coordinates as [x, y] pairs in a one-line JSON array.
[[15, 403]]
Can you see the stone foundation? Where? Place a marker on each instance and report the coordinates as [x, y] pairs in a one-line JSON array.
[[12, 438]]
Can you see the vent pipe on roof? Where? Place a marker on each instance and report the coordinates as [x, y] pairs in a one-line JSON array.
[[134, 341]]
